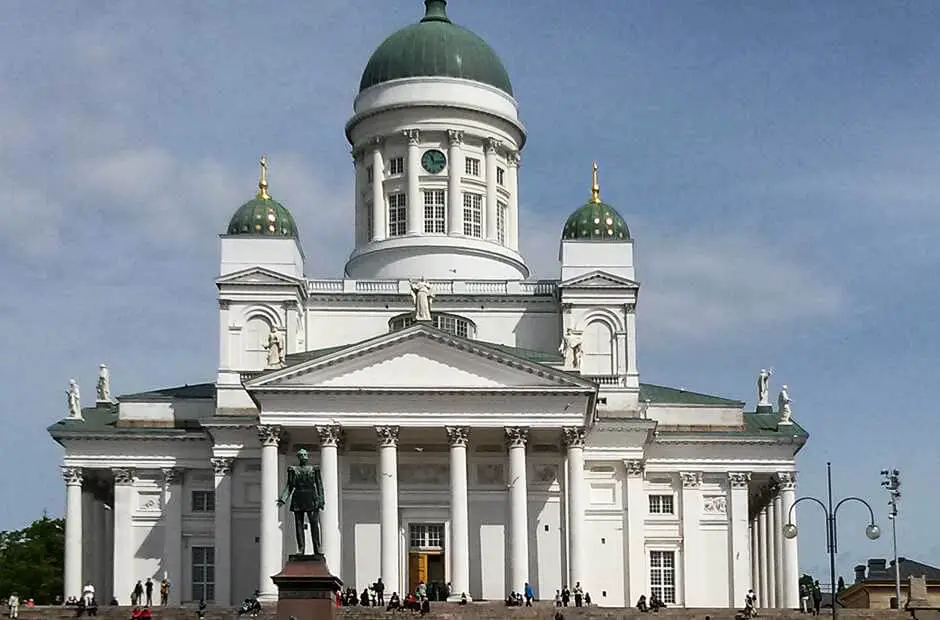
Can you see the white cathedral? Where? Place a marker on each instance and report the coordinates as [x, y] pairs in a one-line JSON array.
[[476, 429]]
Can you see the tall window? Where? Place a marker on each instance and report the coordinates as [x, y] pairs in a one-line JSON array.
[[435, 213], [471, 167], [369, 223], [397, 215], [598, 348], [663, 575], [501, 210], [369, 174], [661, 505], [473, 215], [203, 574], [203, 501], [396, 166], [500, 177]]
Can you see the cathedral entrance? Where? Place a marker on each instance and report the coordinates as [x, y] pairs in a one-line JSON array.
[[426, 559]]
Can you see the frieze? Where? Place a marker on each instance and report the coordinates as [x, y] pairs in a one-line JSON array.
[[545, 473], [149, 502], [491, 474], [423, 473], [715, 504], [363, 473]]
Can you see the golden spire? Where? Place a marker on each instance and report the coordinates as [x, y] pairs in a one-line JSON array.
[[595, 186], [263, 180]]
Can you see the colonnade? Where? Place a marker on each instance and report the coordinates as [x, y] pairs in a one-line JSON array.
[[774, 560]]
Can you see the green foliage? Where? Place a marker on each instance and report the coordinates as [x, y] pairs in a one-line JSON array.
[[32, 561]]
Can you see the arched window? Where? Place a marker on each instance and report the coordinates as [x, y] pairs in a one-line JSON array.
[[450, 323], [598, 349], [257, 329]]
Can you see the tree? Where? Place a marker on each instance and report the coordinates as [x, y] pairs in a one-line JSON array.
[[32, 560]]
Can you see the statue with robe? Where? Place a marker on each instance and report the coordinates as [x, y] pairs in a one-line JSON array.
[[763, 386], [571, 349], [305, 489], [275, 349], [783, 404], [421, 295], [74, 399], [104, 384]]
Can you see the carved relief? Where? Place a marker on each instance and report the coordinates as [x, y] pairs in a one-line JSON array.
[[738, 480], [423, 474], [269, 435], [545, 473], [149, 502], [491, 474], [635, 468], [458, 435], [715, 504], [517, 436], [123, 476], [221, 465], [786, 480], [573, 436], [387, 436], [72, 476], [330, 435], [691, 479], [363, 473]]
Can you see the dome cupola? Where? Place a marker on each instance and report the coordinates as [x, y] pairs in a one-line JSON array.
[[263, 215], [595, 220]]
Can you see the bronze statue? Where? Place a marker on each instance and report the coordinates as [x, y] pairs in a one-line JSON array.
[[305, 488]]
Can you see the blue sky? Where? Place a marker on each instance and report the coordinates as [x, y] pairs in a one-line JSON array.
[[775, 163]]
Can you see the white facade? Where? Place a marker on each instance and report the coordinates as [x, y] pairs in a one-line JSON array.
[[466, 450]]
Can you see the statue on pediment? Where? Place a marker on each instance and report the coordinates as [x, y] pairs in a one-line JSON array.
[[571, 348], [74, 399], [763, 387], [104, 384], [275, 349], [421, 295], [783, 404]]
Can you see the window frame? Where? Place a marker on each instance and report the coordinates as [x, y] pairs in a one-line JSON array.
[[207, 503], [668, 592], [471, 166], [661, 498], [202, 589], [435, 212], [397, 225], [473, 214], [501, 177], [396, 166], [502, 219]]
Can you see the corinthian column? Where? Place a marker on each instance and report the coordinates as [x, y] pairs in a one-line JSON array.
[[379, 226], [518, 509], [454, 170], [574, 442], [491, 147], [173, 531], [73, 531], [271, 538], [740, 536], [123, 572], [786, 480], [415, 211], [693, 554], [330, 437], [388, 502], [458, 437], [223, 530]]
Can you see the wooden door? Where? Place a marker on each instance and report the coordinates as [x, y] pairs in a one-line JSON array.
[[417, 569]]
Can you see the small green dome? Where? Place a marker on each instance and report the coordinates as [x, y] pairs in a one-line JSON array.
[[263, 215], [596, 220], [435, 46]]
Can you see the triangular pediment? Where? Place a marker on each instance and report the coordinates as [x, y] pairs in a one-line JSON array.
[[257, 275], [599, 279], [419, 358]]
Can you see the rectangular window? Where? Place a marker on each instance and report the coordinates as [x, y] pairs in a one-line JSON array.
[[369, 224], [471, 167], [435, 213], [500, 177], [396, 166], [663, 575], [501, 211], [426, 535], [397, 214], [473, 215], [203, 574], [661, 504], [203, 501], [369, 174]]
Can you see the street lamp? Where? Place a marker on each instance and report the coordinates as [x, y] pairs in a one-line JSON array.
[[872, 531], [891, 480]]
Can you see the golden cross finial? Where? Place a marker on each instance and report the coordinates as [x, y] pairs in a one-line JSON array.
[[595, 186], [263, 181]]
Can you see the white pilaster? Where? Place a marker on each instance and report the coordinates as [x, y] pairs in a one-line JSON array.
[[692, 555], [491, 145], [388, 502], [755, 555], [512, 219], [633, 373], [790, 564], [271, 535], [574, 442], [415, 217], [739, 536], [458, 437], [225, 345], [124, 576], [763, 554], [223, 530], [454, 195], [173, 531], [379, 226], [330, 437], [637, 507], [73, 531], [777, 537], [518, 509]]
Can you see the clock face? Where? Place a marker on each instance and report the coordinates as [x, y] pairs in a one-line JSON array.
[[433, 161]]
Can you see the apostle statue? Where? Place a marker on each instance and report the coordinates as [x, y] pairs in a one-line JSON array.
[[74, 399], [305, 489], [570, 348], [275, 349], [763, 387], [104, 384], [783, 403], [421, 295]]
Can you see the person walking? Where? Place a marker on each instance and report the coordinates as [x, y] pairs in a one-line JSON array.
[[13, 605]]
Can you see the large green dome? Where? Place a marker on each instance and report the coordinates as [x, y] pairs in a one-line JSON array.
[[596, 220], [435, 46], [263, 215]]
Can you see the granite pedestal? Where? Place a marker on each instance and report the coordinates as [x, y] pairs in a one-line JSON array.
[[306, 589]]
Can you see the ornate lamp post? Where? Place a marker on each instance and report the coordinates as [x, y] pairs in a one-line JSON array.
[[872, 531], [891, 480]]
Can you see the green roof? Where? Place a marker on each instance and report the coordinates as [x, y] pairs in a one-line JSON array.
[[596, 221], [265, 217], [188, 392], [435, 47], [658, 394]]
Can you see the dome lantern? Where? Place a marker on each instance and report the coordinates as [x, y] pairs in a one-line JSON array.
[[595, 220], [263, 215]]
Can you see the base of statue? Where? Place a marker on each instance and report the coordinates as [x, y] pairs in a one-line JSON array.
[[785, 423], [765, 408], [306, 589]]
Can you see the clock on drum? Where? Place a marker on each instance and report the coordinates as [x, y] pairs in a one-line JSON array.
[[433, 161]]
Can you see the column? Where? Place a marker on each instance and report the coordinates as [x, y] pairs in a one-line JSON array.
[[512, 180], [518, 510], [415, 223], [223, 530], [762, 581], [790, 564], [755, 557], [124, 575], [771, 556], [360, 182], [740, 537], [388, 502], [637, 505], [330, 437], [777, 537], [491, 145], [73, 531], [574, 442], [173, 531], [692, 554], [379, 226], [458, 437], [270, 563], [454, 170], [633, 372]]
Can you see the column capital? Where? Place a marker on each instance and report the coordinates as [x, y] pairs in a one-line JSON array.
[[454, 137], [739, 479], [387, 436], [413, 135], [516, 436], [269, 435], [514, 158], [172, 475], [221, 465], [357, 156], [376, 142], [458, 436], [573, 436], [72, 475], [635, 468], [691, 479], [330, 435], [123, 476], [491, 145], [786, 480], [224, 304]]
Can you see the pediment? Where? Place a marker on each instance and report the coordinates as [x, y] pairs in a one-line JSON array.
[[257, 275], [599, 279], [419, 358]]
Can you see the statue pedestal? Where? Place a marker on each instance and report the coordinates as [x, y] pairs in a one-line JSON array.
[[761, 408], [306, 589]]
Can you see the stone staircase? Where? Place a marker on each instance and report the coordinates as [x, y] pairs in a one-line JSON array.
[[485, 611]]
